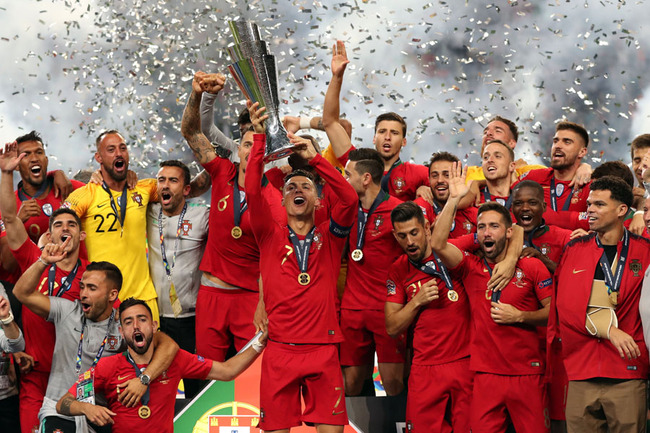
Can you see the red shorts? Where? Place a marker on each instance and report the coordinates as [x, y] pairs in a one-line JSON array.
[[364, 331], [557, 388], [32, 390], [497, 398], [223, 315], [289, 370], [439, 398]]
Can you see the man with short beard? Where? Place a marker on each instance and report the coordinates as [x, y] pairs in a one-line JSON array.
[[505, 350], [156, 411], [115, 218], [86, 330]]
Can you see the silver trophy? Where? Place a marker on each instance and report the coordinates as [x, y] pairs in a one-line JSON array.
[[254, 71]]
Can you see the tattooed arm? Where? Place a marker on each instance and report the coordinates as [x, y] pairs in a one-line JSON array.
[[99, 415], [191, 124]]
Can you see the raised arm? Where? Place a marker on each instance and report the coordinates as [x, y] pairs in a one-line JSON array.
[[12, 339], [335, 131], [448, 253], [191, 124], [212, 85], [16, 233]]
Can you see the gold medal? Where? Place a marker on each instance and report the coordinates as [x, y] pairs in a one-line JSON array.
[[304, 278], [144, 412], [613, 298], [357, 255], [236, 232], [452, 295]]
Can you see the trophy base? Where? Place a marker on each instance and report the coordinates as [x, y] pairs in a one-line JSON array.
[[277, 154]]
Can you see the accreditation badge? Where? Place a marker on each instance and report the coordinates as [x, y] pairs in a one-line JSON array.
[[85, 387]]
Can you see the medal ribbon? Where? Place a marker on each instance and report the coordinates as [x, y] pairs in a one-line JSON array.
[[122, 214], [437, 208], [302, 251], [138, 372], [528, 242], [168, 268], [386, 178], [496, 294], [65, 286], [439, 271], [238, 206], [101, 348], [488, 197], [613, 282], [22, 194], [554, 197], [362, 217]]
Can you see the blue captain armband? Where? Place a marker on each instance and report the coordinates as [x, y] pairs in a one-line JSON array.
[[339, 231]]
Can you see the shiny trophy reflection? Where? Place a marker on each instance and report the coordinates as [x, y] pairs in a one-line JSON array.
[[254, 71]]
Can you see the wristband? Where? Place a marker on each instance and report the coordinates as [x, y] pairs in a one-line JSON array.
[[305, 122], [10, 318], [639, 212], [40, 259], [257, 346]]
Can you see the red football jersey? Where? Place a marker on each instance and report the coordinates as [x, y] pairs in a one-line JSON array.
[[505, 349], [544, 176], [441, 331], [366, 278], [235, 261], [113, 370], [404, 180], [39, 333], [37, 225], [551, 242], [300, 313], [464, 221]]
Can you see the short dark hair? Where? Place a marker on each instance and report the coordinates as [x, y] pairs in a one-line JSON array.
[[640, 142], [179, 164], [132, 302], [443, 156], [575, 127], [64, 210], [619, 190], [406, 212], [300, 172], [32, 136], [103, 134], [111, 272], [244, 117], [391, 116], [527, 183], [511, 153], [368, 161], [614, 168], [509, 123], [497, 207]]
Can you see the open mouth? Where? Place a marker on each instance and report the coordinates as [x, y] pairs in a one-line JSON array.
[[386, 147], [525, 218], [119, 164], [558, 154], [36, 170], [138, 339], [491, 169], [64, 238], [166, 197], [85, 307], [299, 200], [488, 246]]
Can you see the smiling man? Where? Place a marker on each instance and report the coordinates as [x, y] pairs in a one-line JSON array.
[[114, 218], [177, 230], [598, 286]]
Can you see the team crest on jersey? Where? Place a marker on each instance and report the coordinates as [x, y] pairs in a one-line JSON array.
[[390, 287], [136, 197], [519, 275], [47, 209], [112, 342], [546, 249], [186, 226], [379, 220], [635, 267], [576, 196], [559, 190], [468, 226], [399, 184], [582, 216], [317, 241]]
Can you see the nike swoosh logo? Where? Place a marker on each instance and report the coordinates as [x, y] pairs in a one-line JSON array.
[[101, 205], [119, 378], [578, 271]]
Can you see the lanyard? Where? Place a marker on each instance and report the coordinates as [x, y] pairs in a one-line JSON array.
[[496, 294], [65, 285], [430, 269], [529, 238], [488, 197], [386, 177], [101, 348], [437, 208], [22, 194], [613, 282], [302, 251], [362, 217], [168, 269], [122, 215], [138, 372], [238, 206], [554, 197]]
